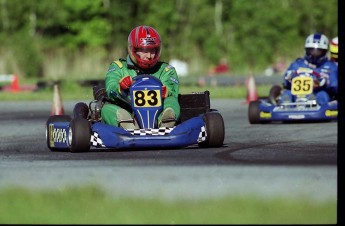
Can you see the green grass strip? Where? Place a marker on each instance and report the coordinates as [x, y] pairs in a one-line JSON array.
[[91, 205]]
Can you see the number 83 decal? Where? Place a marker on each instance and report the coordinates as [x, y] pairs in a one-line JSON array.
[[147, 98]]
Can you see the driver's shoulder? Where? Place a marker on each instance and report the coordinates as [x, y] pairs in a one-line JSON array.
[[165, 66], [120, 63], [331, 63], [299, 60]]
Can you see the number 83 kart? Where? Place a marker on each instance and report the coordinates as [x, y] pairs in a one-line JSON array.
[[198, 123]]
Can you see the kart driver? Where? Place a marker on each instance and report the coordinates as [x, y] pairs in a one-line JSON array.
[[144, 50], [333, 49], [315, 59]]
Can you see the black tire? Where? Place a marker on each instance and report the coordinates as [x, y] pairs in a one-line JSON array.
[[254, 112], [215, 130], [79, 135], [52, 119], [274, 94], [80, 110]]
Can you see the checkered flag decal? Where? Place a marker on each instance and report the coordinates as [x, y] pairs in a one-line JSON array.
[[202, 134], [96, 141], [150, 131]]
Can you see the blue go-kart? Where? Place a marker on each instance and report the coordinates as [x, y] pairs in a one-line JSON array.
[[84, 131], [303, 107]]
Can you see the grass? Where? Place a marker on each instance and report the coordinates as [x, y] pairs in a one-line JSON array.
[[91, 205]]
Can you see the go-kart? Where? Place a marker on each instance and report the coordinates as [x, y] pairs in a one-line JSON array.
[[303, 107], [198, 124]]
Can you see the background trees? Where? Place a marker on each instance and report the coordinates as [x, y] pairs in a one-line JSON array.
[[63, 37]]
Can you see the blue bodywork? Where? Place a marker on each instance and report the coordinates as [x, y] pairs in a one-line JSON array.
[[189, 132], [186, 133], [298, 111], [146, 100]]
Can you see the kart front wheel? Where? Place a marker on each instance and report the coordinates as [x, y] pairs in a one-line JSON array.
[[215, 130], [254, 112], [79, 135], [53, 119], [80, 110]]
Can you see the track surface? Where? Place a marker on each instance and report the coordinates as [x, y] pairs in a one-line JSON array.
[[288, 160]]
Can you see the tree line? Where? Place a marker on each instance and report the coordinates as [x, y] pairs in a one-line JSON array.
[[250, 34]]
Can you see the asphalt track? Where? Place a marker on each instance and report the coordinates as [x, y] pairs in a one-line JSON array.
[[287, 160]]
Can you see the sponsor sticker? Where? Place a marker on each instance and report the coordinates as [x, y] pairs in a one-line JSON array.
[[51, 135], [174, 80], [112, 69], [265, 114], [56, 135], [167, 68], [297, 116], [331, 113]]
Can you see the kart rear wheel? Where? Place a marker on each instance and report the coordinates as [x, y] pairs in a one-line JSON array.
[[53, 119], [274, 94], [79, 135], [215, 130], [254, 112]]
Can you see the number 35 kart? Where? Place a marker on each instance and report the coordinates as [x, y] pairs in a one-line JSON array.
[[304, 108], [198, 123]]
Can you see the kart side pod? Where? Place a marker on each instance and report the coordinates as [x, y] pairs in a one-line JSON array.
[[66, 134]]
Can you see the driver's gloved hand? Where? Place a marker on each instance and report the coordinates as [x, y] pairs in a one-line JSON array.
[[322, 82], [164, 92], [289, 74], [125, 82]]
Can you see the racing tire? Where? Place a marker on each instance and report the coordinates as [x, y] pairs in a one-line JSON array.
[[52, 119], [80, 110], [254, 112], [79, 135], [215, 130], [274, 94]]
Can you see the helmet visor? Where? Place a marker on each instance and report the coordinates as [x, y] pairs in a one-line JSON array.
[[152, 50], [315, 53]]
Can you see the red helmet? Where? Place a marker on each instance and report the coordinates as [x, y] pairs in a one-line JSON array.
[[144, 37]]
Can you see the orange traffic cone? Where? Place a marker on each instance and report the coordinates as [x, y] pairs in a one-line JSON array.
[[15, 83], [57, 108], [252, 93]]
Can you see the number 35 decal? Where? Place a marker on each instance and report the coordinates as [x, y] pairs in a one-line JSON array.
[[147, 98], [302, 85]]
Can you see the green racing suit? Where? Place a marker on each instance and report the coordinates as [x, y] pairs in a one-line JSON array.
[[121, 68]]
